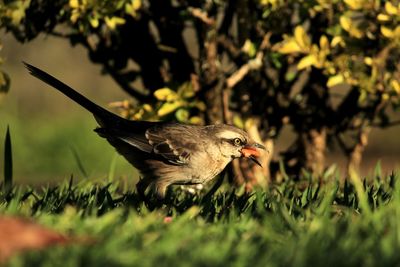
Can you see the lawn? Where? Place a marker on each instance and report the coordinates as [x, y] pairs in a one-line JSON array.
[[303, 223]]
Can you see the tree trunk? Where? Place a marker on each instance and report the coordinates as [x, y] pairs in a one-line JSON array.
[[212, 81], [260, 176], [355, 155], [248, 173], [314, 147]]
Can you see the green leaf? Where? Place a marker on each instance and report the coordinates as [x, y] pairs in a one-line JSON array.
[[166, 94], [94, 22], [199, 105], [355, 4], [182, 115], [351, 27], [289, 47], [238, 122], [186, 90], [307, 61], [249, 48], [169, 107], [363, 96], [391, 9], [275, 59], [74, 4], [290, 75], [335, 80], [18, 14], [302, 39], [387, 32], [113, 22], [132, 7], [196, 120]]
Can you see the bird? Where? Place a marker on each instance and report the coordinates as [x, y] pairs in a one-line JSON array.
[[165, 153]]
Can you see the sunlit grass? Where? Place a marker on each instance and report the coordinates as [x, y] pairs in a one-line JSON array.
[[355, 223], [288, 224]]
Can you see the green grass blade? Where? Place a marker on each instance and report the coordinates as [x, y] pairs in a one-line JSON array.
[[362, 195], [79, 162], [111, 170], [378, 169], [8, 163]]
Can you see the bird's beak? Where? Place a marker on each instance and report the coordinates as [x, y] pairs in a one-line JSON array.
[[250, 151]]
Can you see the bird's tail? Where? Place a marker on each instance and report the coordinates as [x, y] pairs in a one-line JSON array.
[[102, 115]]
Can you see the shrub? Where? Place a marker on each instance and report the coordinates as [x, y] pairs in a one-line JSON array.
[[328, 69]]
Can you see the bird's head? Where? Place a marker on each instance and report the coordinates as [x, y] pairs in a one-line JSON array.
[[236, 143]]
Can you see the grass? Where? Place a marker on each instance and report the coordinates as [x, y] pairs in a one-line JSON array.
[[303, 223], [290, 224]]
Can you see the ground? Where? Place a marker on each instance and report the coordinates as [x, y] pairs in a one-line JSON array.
[[355, 223]]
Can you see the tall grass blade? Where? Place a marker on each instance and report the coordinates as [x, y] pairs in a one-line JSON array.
[[378, 169], [8, 164], [282, 170], [111, 171], [362, 195], [215, 187], [79, 162]]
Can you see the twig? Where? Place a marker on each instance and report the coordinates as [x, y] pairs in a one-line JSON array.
[[225, 105], [238, 75], [201, 15], [355, 156], [266, 41], [229, 45]]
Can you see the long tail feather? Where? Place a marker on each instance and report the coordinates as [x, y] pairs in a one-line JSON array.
[[102, 115]]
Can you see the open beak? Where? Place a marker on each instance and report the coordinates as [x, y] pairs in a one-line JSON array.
[[250, 151]]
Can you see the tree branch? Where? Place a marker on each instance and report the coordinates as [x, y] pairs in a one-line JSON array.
[[238, 75], [201, 15]]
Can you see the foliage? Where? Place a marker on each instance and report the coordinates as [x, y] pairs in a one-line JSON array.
[[292, 224], [329, 69]]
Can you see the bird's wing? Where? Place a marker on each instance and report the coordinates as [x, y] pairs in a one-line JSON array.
[[169, 140], [137, 140], [173, 142]]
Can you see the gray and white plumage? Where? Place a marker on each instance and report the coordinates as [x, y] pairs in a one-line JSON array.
[[164, 153]]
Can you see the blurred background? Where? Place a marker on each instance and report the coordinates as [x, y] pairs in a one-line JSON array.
[[48, 131], [47, 127], [310, 87]]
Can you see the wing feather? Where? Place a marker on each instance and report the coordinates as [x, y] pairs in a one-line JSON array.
[[173, 142], [170, 141]]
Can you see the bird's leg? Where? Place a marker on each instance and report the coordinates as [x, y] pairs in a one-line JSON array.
[[160, 189], [156, 197]]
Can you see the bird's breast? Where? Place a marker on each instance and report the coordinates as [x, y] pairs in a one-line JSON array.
[[204, 167]]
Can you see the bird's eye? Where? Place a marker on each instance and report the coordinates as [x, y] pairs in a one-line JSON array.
[[237, 141]]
